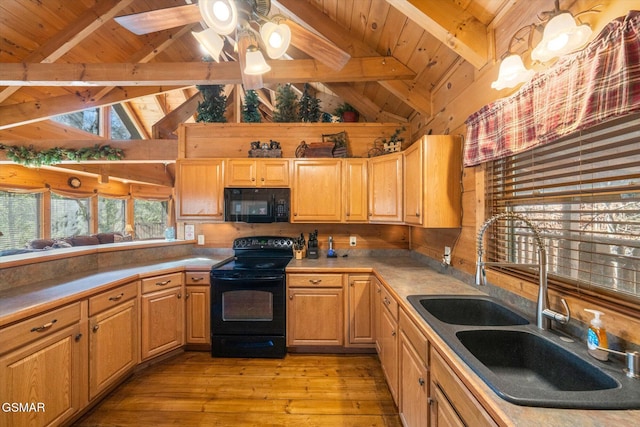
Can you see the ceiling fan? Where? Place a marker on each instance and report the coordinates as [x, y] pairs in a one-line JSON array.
[[237, 20]]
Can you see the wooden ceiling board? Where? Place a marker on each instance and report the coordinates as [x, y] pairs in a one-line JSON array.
[[45, 130], [376, 23], [390, 32]]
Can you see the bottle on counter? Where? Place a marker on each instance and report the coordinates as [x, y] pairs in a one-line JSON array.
[[597, 336]]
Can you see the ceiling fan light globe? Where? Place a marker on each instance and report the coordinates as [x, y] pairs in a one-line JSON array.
[[211, 42], [220, 15], [561, 36], [255, 63], [276, 37]]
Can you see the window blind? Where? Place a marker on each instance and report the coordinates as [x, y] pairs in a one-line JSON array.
[[583, 193]]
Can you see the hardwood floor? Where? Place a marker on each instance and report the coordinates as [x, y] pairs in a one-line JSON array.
[[194, 389]]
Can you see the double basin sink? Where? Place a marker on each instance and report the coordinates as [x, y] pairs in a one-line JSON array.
[[521, 363]]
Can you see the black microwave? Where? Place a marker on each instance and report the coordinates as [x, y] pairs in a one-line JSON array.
[[256, 204]]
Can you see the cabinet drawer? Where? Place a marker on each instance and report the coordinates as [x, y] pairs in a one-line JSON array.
[[314, 280], [112, 298], [415, 337], [39, 326], [389, 302], [158, 283], [197, 278]]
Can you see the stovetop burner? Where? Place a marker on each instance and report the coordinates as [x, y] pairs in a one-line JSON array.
[[257, 256]]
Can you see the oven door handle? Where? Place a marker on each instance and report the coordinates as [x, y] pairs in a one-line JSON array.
[[236, 279]]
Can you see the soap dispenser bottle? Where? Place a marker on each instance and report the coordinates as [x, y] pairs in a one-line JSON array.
[[597, 336]]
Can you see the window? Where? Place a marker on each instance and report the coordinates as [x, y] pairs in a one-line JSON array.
[[583, 193], [86, 120], [19, 219], [150, 219], [111, 215], [69, 217], [122, 126]]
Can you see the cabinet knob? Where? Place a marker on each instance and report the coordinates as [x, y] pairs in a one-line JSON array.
[[186, 295], [179, 295], [393, 333], [420, 381], [77, 337], [430, 401], [291, 297], [262, 179], [252, 179], [417, 213], [95, 328]]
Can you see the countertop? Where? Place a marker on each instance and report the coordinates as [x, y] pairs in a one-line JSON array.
[[404, 275]]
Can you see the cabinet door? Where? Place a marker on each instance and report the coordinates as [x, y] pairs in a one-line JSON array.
[[273, 173], [317, 191], [385, 189], [389, 351], [355, 190], [414, 183], [200, 189], [198, 315], [113, 345], [361, 311], [315, 317], [414, 383], [241, 173], [443, 181], [162, 322], [49, 373]]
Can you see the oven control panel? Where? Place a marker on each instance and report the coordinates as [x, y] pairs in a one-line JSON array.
[[263, 242]]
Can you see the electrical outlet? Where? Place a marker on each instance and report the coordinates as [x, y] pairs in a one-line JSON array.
[[447, 250], [201, 239], [352, 241]]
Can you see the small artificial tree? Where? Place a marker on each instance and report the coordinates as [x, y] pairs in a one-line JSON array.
[[286, 110], [212, 108], [250, 111], [309, 109]]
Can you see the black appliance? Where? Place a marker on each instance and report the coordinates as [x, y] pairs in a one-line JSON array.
[[256, 204], [248, 306]]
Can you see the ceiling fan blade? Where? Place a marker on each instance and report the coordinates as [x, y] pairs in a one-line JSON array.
[[160, 19], [317, 47]]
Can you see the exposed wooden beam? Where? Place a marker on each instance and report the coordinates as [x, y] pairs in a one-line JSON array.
[[196, 73], [136, 151], [28, 112], [417, 97], [148, 173], [366, 107], [165, 127], [135, 119], [67, 39], [452, 25]]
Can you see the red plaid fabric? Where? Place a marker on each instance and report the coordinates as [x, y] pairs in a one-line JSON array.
[[581, 90]]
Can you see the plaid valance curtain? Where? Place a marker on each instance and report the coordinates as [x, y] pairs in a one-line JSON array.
[[581, 90]]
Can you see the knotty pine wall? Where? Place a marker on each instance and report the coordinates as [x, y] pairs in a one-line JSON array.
[[463, 92]]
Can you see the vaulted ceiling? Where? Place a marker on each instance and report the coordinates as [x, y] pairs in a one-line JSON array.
[[60, 56]]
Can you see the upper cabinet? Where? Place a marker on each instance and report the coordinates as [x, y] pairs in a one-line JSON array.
[[355, 190], [316, 194], [432, 182], [385, 189], [200, 188], [257, 173]]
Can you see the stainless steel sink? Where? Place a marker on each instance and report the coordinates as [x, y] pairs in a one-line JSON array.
[[476, 311], [521, 363]]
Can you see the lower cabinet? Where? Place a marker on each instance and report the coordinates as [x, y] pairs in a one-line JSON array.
[[452, 404], [198, 308], [414, 375], [113, 336], [315, 310], [162, 315], [361, 310], [388, 341], [43, 364]]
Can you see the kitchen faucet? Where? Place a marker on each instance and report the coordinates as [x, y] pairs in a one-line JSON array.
[[543, 313]]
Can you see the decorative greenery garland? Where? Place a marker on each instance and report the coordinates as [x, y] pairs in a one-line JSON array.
[[28, 156]]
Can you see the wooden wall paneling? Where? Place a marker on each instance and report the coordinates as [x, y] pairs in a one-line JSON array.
[[209, 140]]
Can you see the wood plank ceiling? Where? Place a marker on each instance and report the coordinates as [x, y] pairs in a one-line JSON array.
[[59, 56]]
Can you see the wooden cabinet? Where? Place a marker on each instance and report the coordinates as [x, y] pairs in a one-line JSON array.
[[162, 315], [113, 336], [257, 173], [385, 189], [317, 191], [198, 308], [361, 291], [432, 176], [414, 374], [43, 363], [452, 403], [315, 310], [388, 341], [355, 190], [200, 189]]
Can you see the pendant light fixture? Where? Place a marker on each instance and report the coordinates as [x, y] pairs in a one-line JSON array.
[[211, 42], [561, 36], [220, 15], [255, 62], [276, 37], [512, 70]]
